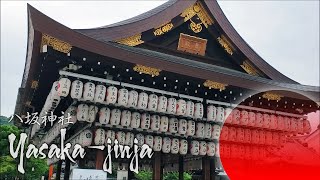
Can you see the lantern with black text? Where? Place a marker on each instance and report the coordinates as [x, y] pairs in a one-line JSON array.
[[123, 97], [148, 139], [88, 91], [198, 110], [162, 104], [76, 89], [100, 93], [181, 107], [104, 115], [115, 117], [99, 136], [164, 124], [247, 135], [182, 126], [112, 94], [93, 110], [216, 130], [273, 121], [191, 128], [183, 147], [200, 130], [244, 117], [202, 148], [252, 119], [220, 114], [211, 113], [235, 116], [64, 87], [224, 133], [133, 98], [207, 130], [174, 146], [135, 120], [155, 122], [240, 134], [153, 102], [210, 149], [266, 121], [189, 109], [110, 135], [85, 138], [157, 143], [172, 106], [232, 134], [83, 112], [194, 147], [166, 145], [129, 139], [125, 118], [121, 137], [259, 120], [140, 138], [173, 125]]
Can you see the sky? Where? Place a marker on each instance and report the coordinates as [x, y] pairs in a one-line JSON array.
[[284, 33]]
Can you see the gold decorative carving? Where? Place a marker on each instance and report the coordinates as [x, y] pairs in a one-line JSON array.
[[249, 68], [195, 27], [272, 96], [55, 43], [192, 44], [214, 85], [132, 40], [146, 70], [197, 9], [225, 45], [34, 84], [163, 29]]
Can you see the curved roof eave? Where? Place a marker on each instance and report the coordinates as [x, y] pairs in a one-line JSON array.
[[44, 24], [171, 9]]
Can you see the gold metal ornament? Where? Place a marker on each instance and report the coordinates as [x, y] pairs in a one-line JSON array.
[[195, 27], [272, 96], [249, 68], [132, 40], [34, 84], [55, 43], [163, 29], [225, 45], [214, 85], [146, 70]]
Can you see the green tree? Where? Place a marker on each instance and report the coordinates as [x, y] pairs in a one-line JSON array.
[[34, 168], [143, 175], [175, 176]]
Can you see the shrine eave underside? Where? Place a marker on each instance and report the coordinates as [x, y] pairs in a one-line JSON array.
[[40, 24]]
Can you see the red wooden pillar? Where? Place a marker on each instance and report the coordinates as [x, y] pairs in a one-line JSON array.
[[205, 168], [99, 159], [157, 166]]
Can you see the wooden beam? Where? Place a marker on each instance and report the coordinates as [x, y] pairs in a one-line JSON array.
[[181, 169], [99, 159], [66, 170], [157, 166], [212, 169], [205, 168]]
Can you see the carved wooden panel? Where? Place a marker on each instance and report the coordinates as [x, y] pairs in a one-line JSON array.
[[192, 44]]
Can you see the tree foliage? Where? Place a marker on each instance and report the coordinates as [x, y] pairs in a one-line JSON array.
[[34, 168], [147, 175]]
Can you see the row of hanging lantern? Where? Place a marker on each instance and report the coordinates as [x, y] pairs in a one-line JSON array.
[[145, 121], [247, 152], [70, 118], [288, 124], [252, 136], [157, 143]]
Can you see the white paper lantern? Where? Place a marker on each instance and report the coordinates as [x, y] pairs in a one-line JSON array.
[[93, 110], [259, 120], [306, 126], [207, 130], [273, 121], [275, 139], [152, 102], [268, 137], [173, 125], [194, 149], [100, 93], [216, 131], [123, 97], [200, 130], [76, 89], [172, 106], [135, 120], [244, 118], [85, 138], [235, 116], [140, 138], [198, 110], [125, 118], [262, 137], [181, 107], [99, 136], [287, 122], [157, 143], [252, 119], [294, 125], [182, 126], [104, 115], [115, 117], [255, 136], [266, 120], [240, 134], [281, 123], [148, 140], [300, 126], [133, 98], [166, 145], [183, 147], [143, 100], [224, 134], [55, 90], [232, 134], [228, 115], [155, 122], [129, 139], [83, 112], [211, 113], [164, 124], [145, 121], [220, 114], [189, 109], [191, 128], [70, 115], [247, 135], [64, 87], [112, 94], [217, 153], [175, 146], [110, 135], [88, 91], [121, 137], [202, 148], [162, 104], [211, 147]]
